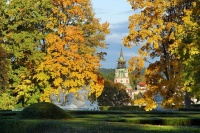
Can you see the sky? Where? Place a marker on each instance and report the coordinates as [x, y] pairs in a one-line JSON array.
[[116, 13]]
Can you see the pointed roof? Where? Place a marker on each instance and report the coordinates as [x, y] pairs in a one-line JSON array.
[[121, 63], [121, 58]]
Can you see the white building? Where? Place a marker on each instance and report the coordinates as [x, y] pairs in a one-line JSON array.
[[121, 74]]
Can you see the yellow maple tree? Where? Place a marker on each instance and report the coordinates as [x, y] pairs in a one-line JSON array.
[[71, 59]]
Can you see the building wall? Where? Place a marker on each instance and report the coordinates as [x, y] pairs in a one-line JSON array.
[[122, 80], [121, 76]]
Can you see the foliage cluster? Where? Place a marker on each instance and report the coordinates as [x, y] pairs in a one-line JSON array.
[[114, 94], [168, 33], [50, 45], [107, 74]]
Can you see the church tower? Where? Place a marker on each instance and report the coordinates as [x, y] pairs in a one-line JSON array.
[[121, 74]]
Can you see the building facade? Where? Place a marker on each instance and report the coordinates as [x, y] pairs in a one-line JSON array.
[[121, 74]]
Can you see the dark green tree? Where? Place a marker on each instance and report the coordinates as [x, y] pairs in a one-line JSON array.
[[4, 67], [107, 74], [113, 94], [4, 63]]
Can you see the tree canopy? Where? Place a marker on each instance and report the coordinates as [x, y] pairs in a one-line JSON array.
[[114, 94], [168, 32], [52, 45]]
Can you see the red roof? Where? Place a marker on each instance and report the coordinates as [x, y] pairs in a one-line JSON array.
[[142, 84]]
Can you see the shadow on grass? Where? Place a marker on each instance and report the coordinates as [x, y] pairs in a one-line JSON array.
[[159, 121], [84, 126], [49, 127]]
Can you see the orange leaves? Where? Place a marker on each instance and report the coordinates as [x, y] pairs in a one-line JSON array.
[[71, 60], [66, 2], [69, 2], [55, 43], [73, 33], [61, 59], [77, 11]]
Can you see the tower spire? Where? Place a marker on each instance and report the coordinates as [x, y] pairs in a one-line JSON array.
[[121, 63], [121, 74], [121, 53]]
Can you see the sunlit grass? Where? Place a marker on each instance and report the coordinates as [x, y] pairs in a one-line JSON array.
[[105, 122]]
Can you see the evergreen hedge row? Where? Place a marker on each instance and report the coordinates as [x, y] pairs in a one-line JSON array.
[[122, 108], [160, 121], [189, 109]]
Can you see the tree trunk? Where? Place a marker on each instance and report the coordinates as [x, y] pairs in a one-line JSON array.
[[187, 99]]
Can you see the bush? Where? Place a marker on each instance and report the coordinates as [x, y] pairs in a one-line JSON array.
[[189, 109], [122, 108], [43, 111], [195, 105]]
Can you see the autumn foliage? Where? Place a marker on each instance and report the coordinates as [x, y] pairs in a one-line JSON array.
[[168, 33], [52, 45], [71, 60]]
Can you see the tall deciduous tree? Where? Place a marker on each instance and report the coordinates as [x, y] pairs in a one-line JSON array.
[[71, 60], [4, 62], [52, 45], [187, 46], [7, 101], [23, 33], [157, 30], [4, 73]]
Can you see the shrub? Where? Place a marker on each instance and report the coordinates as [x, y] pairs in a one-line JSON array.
[[122, 108], [43, 111], [189, 109]]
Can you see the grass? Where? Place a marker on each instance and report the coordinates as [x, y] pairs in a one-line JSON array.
[[87, 125], [106, 122]]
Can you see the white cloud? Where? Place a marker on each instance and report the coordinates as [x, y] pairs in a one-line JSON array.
[[115, 38], [115, 12]]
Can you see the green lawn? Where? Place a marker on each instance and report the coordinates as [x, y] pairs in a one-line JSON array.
[[105, 122]]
